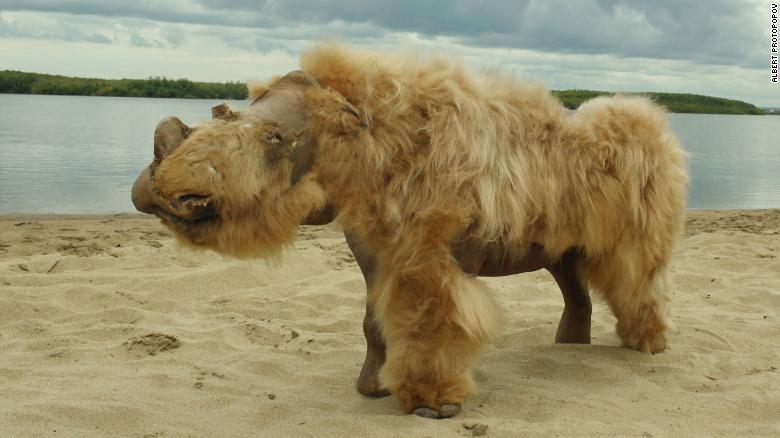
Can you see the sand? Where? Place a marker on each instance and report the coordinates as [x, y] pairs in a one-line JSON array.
[[109, 328]]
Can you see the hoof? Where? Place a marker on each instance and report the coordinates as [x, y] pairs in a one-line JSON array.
[[426, 413], [368, 382], [373, 391], [650, 340], [574, 328], [572, 338], [446, 411]]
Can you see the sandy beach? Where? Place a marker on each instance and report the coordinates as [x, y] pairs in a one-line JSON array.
[[109, 328]]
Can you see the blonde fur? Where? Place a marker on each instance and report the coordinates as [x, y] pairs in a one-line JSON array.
[[415, 154], [448, 151], [260, 214]]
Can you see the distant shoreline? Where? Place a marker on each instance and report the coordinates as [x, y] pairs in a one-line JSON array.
[[674, 102], [17, 82]]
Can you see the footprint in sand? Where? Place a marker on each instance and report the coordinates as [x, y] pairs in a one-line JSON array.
[[202, 375], [88, 250], [152, 343]]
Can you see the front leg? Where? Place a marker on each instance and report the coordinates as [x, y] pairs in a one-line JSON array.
[[368, 382], [435, 319]]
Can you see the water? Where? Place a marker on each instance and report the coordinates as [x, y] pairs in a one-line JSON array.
[[80, 154], [70, 154], [734, 160]]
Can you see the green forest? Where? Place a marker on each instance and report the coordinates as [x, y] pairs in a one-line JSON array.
[[35, 83], [674, 102]]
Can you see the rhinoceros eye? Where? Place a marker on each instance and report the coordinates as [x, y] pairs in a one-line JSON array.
[[274, 136]]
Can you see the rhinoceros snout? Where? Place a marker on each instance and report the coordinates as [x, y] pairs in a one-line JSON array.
[[141, 195], [168, 135]]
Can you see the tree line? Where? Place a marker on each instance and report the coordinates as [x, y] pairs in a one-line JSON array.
[[36, 83], [674, 102]]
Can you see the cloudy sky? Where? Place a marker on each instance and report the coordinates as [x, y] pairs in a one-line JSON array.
[[716, 47]]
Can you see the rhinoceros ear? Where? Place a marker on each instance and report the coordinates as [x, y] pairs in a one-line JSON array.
[[223, 112], [363, 119], [168, 135], [300, 78]]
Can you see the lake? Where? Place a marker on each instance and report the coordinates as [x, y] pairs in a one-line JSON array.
[[74, 154]]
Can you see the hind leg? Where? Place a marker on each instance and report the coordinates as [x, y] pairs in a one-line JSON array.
[[574, 327], [641, 312], [368, 382]]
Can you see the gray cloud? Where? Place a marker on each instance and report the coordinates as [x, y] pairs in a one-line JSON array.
[[170, 11], [138, 41], [717, 47], [72, 34], [63, 32], [8, 29], [714, 32], [717, 31]]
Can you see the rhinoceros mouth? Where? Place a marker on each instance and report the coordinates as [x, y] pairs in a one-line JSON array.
[[190, 221], [189, 210]]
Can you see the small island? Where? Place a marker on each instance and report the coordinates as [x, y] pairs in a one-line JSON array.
[[18, 82]]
